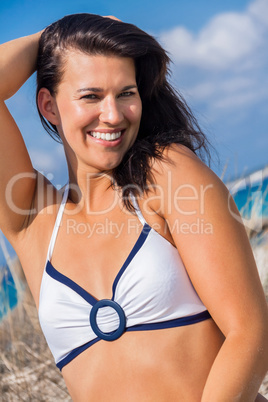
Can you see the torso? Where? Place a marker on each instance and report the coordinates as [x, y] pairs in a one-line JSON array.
[[168, 364], [156, 366]]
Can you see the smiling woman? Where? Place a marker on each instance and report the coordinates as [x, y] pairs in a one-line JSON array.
[[128, 286], [96, 115]]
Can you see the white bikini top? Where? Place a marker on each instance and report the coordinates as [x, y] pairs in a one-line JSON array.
[[151, 291]]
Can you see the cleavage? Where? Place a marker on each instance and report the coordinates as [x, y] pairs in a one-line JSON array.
[[92, 254]]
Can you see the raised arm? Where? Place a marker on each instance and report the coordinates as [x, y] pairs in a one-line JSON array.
[[17, 176]]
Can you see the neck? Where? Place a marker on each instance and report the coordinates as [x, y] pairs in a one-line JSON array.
[[93, 192]]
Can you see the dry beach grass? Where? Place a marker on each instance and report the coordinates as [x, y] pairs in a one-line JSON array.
[[27, 369]]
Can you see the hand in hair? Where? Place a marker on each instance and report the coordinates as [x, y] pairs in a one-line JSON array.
[[112, 17]]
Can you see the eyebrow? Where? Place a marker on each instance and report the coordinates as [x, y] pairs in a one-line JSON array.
[[95, 89]]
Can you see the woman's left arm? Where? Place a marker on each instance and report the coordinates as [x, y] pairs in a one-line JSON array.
[[208, 231]]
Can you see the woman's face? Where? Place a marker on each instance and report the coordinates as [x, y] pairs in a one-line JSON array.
[[99, 109]]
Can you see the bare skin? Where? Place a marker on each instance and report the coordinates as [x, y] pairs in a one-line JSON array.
[[178, 364], [171, 352]]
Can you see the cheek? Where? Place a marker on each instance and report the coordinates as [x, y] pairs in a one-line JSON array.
[[74, 117], [134, 113]]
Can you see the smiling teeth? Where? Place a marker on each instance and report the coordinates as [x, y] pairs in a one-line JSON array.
[[106, 136]]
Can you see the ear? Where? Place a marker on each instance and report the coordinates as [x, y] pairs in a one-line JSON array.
[[48, 106]]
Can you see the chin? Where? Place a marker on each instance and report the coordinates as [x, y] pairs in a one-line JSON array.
[[109, 165]]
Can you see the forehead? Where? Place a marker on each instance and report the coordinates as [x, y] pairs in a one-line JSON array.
[[81, 68]]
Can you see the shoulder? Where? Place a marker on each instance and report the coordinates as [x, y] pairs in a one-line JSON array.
[[179, 159], [181, 176]]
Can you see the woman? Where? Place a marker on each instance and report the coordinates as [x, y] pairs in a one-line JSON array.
[[136, 304]]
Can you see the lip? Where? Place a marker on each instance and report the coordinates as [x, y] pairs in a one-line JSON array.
[[108, 144]]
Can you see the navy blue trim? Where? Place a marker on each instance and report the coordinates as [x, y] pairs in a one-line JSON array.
[[110, 336], [58, 276], [75, 352], [177, 322], [51, 271], [137, 246]]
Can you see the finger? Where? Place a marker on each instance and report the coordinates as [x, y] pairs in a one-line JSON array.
[[112, 17]]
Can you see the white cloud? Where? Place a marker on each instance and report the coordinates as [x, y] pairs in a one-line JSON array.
[[225, 63], [227, 39], [228, 86], [230, 93], [221, 71], [259, 10], [48, 161]]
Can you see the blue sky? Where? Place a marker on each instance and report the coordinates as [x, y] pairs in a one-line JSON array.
[[220, 64]]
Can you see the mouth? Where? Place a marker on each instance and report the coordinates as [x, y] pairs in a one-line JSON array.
[[106, 136]]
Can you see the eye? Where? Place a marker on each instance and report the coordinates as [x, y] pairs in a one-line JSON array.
[[127, 93], [90, 96]]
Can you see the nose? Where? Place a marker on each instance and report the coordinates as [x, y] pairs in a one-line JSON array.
[[111, 111]]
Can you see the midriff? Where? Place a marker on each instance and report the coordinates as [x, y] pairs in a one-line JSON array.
[[161, 365]]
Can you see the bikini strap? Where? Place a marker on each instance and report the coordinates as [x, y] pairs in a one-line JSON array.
[[57, 223], [137, 209]]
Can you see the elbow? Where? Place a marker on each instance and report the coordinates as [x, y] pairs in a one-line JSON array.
[[252, 340], [263, 337], [264, 346], [258, 343]]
